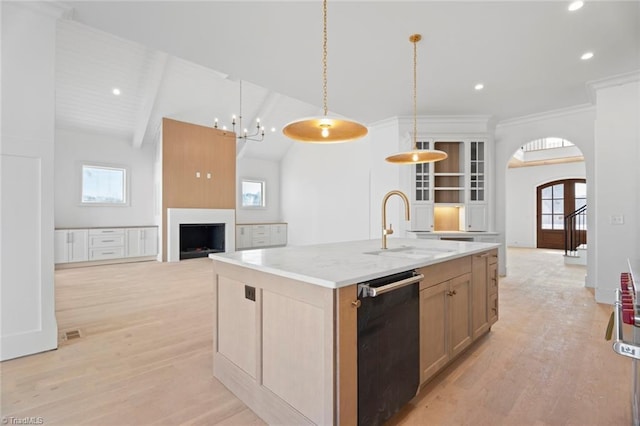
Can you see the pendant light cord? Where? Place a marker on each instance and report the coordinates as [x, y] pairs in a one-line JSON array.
[[324, 57], [415, 89]]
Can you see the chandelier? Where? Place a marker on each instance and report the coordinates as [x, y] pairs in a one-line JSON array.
[[244, 135]]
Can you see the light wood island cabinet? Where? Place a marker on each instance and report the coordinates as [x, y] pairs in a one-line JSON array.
[[286, 345]]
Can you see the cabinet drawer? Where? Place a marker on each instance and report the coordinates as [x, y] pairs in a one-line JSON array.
[[445, 271], [493, 308], [106, 241], [261, 242], [261, 230], [493, 256], [106, 253], [106, 231], [493, 278]]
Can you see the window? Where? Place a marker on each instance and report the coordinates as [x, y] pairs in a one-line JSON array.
[[253, 193], [103, 185], [553, 207]]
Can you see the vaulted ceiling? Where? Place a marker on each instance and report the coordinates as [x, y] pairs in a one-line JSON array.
[[184, 60]]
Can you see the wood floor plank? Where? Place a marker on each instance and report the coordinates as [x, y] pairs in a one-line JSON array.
[[144, 355]]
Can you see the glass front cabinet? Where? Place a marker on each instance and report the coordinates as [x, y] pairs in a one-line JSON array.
[[452, 194]]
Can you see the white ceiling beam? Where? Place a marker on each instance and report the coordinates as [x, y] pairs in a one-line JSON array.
[[150, 93]]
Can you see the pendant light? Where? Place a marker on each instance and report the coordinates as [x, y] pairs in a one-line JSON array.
[[416, 156], [324, 129]]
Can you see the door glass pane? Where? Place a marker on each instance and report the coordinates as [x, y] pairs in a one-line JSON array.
[[546, 221], [580, 202], [558, 191], [558, 221], [558, 206], [546, 193], [581, 190], [547, 206]]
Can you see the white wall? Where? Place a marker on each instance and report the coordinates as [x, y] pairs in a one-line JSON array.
[[268, 171], [522, 183], [617, 135], [72, 148], [573, 124], [28, 323], [325, 192]]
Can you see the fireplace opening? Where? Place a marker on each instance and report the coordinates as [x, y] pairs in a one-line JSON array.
[[200, 239]]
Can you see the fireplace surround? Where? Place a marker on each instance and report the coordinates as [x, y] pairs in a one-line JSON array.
[[177, 217]]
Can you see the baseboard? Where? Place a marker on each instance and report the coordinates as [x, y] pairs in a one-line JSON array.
[[105, 262]]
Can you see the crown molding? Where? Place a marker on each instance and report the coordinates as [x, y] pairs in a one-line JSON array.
[[617, 80], [556, 113]]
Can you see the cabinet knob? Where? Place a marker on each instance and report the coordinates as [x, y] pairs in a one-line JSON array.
[[452, 293], [356, 303]]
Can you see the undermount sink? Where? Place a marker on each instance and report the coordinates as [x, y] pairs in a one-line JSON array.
[[409, 252]]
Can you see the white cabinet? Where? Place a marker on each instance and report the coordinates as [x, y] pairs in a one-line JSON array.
[[279, 234], [244, 236], [259, 235], [451, 195], [477, 217], [71, 245], [142, 242], [106, 243], [422, 217]]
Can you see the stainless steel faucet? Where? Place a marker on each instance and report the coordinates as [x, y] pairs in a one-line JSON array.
[[388, 231]]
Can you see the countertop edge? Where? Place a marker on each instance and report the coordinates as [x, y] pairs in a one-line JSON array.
[[417, 263]]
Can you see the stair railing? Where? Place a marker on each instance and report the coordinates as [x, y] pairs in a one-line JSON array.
[[575, 231]]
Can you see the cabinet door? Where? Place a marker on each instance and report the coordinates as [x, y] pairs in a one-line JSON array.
[[243, 236], [422, 217], [434, 336], [459, 313], [134, 248], [279, 235], [492, 303], [149, 240], [61, 246], [79, 246], [477, 217], [479, 294]]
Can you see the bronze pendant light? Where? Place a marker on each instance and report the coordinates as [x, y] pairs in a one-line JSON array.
[[324, 129], [416, 156]]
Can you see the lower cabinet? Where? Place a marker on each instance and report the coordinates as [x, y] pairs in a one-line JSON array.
[[70, 245], [457, 301], [104, 244], [142, 242], [259, 235]]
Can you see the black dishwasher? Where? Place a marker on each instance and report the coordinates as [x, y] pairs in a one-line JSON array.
[[388, 346]]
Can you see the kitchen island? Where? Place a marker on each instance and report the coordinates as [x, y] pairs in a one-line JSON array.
[[285, 319]]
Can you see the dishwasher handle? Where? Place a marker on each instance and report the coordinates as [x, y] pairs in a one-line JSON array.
[[364, 290]]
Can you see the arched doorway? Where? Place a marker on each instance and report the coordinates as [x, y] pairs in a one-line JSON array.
[[557, 200]]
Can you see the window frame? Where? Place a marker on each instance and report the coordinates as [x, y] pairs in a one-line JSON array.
[[263, 185], [126, 184]]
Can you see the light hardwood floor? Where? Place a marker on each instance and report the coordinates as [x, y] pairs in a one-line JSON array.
[[144, 355]]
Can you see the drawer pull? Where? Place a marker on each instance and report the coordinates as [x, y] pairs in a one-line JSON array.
[[108, 252], [108, 241]]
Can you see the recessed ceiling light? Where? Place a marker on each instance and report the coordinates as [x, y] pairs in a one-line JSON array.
[[479, 86], [586, 55], [575, 5], [116, 91]]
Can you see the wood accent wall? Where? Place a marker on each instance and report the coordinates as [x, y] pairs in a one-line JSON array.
[[188, 149]]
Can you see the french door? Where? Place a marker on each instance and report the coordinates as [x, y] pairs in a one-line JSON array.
[[556, 200]]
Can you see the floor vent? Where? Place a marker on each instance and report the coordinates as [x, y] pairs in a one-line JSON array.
[[73, 334]]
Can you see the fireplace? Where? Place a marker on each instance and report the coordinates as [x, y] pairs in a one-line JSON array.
[[200, 239], [177, 217]]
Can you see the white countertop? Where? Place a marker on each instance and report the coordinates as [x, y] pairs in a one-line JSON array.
[[337, 265]]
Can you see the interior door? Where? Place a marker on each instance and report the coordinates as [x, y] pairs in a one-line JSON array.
[[556, 200]]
